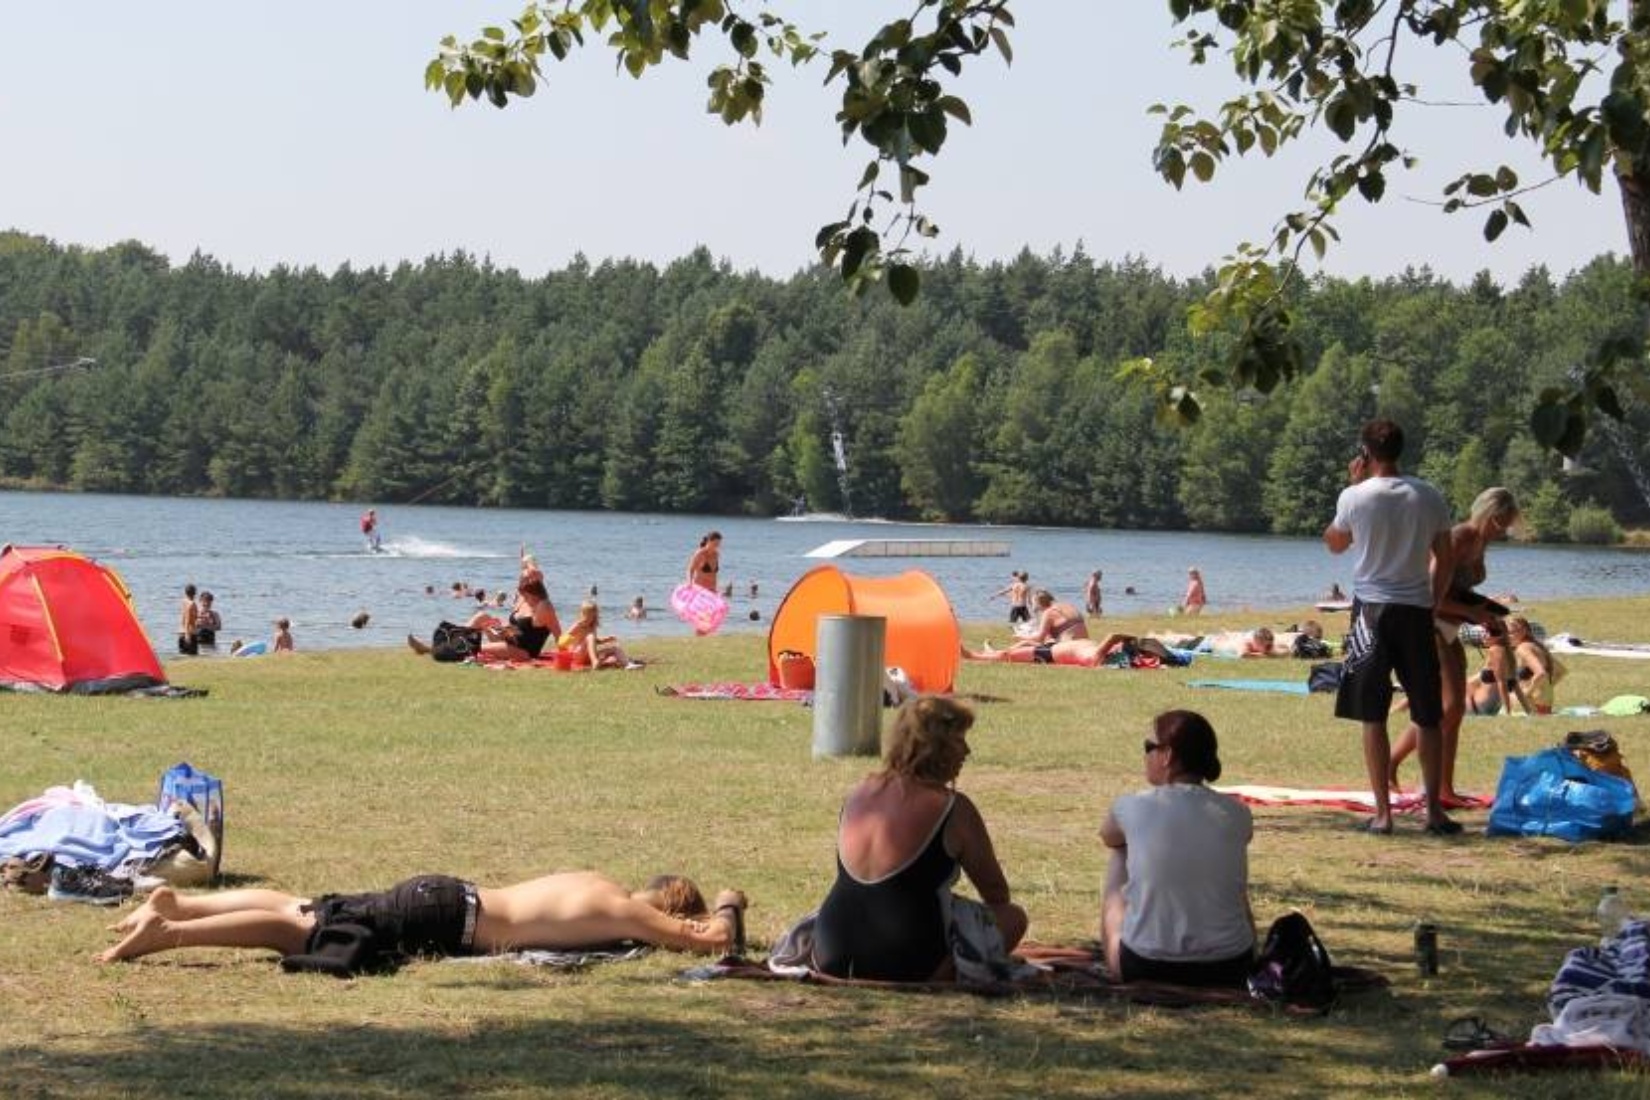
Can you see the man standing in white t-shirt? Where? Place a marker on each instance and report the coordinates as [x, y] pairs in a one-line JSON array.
[[1398, 529]]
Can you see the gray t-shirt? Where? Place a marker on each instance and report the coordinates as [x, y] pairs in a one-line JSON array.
[[1393, 521], [1188, 885]]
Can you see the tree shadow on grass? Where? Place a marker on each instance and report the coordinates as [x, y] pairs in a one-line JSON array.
[[761, 1041]]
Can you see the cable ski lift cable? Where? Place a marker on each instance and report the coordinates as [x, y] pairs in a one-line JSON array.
[[55, 368]]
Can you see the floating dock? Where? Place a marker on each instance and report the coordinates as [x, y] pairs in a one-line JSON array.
[[911, 548]]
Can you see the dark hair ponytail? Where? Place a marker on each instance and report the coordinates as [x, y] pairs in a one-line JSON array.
[[1191, 742]]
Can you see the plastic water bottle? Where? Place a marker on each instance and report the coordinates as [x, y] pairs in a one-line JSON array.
[[1612, 914]]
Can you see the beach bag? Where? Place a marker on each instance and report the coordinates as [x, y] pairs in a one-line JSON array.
[[30, 874], [1312, 648], [1293, 966], [1325, 677], [1551, 793], [1599, 751], [796, 670], [201, 791], [452, 642]]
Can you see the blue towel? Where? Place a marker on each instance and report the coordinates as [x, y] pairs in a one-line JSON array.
[[89, 836], [1279, 687]]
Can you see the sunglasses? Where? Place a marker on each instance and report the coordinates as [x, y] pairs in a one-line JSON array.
[[1153, 746]]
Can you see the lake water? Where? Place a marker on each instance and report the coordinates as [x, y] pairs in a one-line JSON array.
[[264, 559]]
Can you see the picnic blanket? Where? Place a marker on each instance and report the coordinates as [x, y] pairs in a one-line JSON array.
[[1340, 798], [1280, 687], [1075, 972], [1528, 1058], [745, 693], [560, 960], [1569, 643]]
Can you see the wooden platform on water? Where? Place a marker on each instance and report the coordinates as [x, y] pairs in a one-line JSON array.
[[911, 548]]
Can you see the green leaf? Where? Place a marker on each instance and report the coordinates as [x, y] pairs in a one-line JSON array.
[[1495, 224], [956, 108], [1203, 166], [1000, 37], [1341, 116], [1372, 186], [904, 282]]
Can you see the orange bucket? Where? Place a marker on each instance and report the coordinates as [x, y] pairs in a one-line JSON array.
[[796, 671], [564, 660]]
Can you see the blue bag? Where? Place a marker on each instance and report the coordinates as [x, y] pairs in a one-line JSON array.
[[182, 783], [1551, 793]]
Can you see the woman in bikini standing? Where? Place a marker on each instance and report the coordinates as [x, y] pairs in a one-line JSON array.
[[706, 562]]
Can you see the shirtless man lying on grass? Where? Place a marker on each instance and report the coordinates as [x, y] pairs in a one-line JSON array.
[[1083, 652], [439, 915]]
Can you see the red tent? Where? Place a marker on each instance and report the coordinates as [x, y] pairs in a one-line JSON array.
[[67, 624]]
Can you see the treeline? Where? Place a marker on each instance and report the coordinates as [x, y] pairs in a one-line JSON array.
[[696, 388]]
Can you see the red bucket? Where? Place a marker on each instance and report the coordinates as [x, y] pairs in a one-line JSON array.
[[564, 660]]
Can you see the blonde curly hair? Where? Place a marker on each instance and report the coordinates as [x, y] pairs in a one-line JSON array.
[[926, 741]]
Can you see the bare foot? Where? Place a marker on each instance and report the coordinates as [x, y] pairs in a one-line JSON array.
[[147, 935], [417, 646], [162, 900]]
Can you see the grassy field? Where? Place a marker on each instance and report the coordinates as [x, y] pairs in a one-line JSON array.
[[352, 770]]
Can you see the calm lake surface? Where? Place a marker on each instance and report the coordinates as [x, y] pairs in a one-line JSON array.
[[263, 559]]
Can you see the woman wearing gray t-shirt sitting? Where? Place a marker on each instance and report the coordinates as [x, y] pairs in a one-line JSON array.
[[1176, 906]]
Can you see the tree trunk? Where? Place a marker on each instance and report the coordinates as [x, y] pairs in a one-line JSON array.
[[1635, 208]]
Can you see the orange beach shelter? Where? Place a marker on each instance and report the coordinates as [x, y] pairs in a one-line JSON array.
[[923, 637], [67, 624]]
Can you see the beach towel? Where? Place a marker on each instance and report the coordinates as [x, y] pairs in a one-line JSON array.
[[1339, 798], [1280, 687], [1527, 1058], [1569, 643], [744, 693], [560, 960], [1070, 973]]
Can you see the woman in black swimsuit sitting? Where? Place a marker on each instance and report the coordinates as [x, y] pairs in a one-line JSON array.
[[902, 836], [533, 624]]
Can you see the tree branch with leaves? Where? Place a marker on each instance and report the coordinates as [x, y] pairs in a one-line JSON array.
[[894, 95]]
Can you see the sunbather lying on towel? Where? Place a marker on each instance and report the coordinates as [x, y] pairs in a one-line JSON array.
[[439, 915], [902, 836], [1084, 652], [1176, 902]]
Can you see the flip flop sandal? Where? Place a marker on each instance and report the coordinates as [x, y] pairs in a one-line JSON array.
[[1472, 1033]]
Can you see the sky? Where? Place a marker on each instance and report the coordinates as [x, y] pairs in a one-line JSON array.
[[300, 133]]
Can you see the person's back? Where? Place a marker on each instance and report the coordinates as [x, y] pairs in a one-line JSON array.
[[884, 917], [1063, 623], [1188, 872], [1393, 521]]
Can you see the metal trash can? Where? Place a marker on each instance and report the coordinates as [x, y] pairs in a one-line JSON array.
[[848, 660]]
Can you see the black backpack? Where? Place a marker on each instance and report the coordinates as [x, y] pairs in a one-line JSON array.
[[1325, 676], [1293, 967]]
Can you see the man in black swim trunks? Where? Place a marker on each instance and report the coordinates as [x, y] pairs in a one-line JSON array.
[[1399, 531], [440, 915]]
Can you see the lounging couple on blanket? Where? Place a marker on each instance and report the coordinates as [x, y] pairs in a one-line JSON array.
[[1176, 901]]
